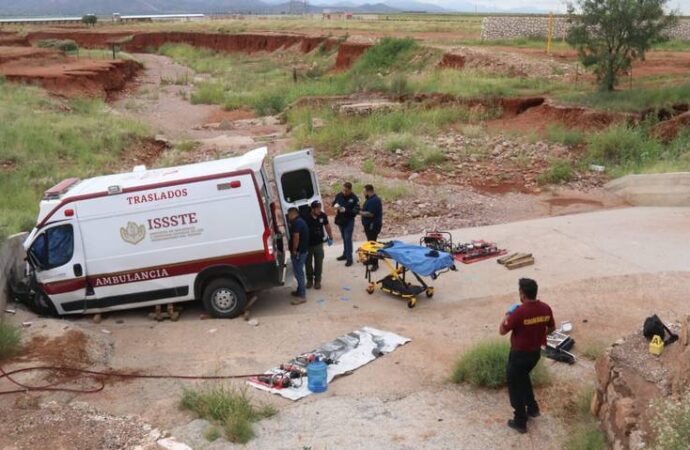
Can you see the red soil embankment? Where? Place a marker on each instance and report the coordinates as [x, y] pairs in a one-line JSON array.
[[63, 75], [452, 61], [348, 54], [145, 41]]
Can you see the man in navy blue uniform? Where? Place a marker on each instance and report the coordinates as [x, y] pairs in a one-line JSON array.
[[346, 204], [372, 217], [299, 246]]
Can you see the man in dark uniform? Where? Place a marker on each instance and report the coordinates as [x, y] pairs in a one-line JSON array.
[[372, 217], [299, 246], [319, 231], [346, 204], [530, 323]]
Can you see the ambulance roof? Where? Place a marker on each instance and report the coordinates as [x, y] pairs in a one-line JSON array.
[[252, 160]]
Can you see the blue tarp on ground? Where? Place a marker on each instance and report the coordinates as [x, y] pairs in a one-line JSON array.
[[417, 258]]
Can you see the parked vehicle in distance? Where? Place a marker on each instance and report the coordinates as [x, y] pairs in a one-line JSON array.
[[207, 231]]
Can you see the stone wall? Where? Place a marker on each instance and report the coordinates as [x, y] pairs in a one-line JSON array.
[[630, 381], [11, 263], [535, 26]]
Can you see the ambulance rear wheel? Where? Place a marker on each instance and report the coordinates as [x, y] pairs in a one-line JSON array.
[[224, 298]]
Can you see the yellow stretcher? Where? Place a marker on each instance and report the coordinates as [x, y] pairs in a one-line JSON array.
[[395, 282]]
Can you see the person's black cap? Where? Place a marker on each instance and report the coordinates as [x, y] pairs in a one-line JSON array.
[[315, 204]]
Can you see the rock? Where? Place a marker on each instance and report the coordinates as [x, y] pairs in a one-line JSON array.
[[171, 444], [253, 322], [413, 176], [398, 151]]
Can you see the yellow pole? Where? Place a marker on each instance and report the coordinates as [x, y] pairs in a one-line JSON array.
[[550, 34]]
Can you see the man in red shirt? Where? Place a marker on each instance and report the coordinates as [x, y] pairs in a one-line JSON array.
[[530, 323]]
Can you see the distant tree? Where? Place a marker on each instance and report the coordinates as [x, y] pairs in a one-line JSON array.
[[89, 20], [610, 34]]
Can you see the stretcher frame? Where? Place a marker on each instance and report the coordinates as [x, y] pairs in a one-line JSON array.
[[368, 253]]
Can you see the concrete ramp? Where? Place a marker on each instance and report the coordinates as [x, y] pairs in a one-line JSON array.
[[658, 189]]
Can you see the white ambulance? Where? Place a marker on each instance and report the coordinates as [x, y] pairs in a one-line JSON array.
[[207, 231]]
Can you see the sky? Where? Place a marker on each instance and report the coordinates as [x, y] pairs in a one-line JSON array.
[[545, 5]]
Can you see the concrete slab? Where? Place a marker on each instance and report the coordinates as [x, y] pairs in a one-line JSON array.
[[569, 248], [657, 189]]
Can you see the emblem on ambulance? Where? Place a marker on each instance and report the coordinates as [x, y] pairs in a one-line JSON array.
[[133, 233]]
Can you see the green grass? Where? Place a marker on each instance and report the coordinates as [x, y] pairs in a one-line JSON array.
[[426, 156], [400, 126], [386, 54], [212, 433], [484, 365], [262, 81], [584, 432], [64, 45], [471, 83], [10, 340], [47, 140], [229, 407], [467, 25], [592, 350], [672, 424], [402, 141], [559, 171], [368, 166], [563, 135], [630, 100]]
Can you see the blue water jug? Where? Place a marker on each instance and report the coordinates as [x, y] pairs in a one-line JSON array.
[[317, 376]]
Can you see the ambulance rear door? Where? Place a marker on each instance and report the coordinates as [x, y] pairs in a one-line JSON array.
[[296, 180]]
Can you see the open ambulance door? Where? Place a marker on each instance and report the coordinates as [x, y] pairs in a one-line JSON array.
[[296, 181]]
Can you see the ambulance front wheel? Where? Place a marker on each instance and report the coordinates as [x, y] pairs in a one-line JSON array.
[[42, 305], [224, 298]]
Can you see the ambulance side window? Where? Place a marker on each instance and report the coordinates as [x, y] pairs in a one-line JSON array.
[[297, 185], [53, 248]]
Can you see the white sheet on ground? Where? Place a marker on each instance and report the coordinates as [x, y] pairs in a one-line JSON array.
[[348, 352]]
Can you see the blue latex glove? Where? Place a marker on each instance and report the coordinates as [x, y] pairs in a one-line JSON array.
[[329, 242], [512, 308]]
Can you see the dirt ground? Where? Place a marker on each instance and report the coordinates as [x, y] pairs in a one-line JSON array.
[[604, 277], [587, 265]]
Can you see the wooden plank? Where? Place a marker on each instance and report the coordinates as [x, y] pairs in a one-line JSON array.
[[520, 263]]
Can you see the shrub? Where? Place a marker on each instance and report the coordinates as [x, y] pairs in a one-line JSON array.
[[586, 436], [208, 92], [64, 45], [425, 157], [269, 104], [564, 135], [559, 171], [484, 365], [368, 166], [672, 424], [400, 141], [399, 85], [228, 406], [10, 340], [383, 55], [623, 145], [593, 350]]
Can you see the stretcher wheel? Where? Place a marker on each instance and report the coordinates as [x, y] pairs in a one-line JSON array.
[[371, 288], [434, 276], [411, 303], [429, 292]]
